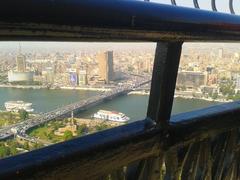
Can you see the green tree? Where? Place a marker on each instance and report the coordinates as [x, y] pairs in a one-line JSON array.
[[13, 150], [4, 151], [37, 145], [68, 135], [236, 97], [82, 129], [50, 135], [23, 114], [227, 88], [10, 115], [101, 127], [214, 95], [26, 146]]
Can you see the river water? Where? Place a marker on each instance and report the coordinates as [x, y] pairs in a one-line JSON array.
[[134, 106]]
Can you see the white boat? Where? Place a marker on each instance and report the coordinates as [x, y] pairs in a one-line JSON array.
[[111, 116], [15, 106]]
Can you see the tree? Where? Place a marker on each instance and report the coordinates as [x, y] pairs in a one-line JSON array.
[[26, 146], [214, 95], [227, 88], [4, 151], [37, 145], [13, 150], [82, 129], [101, 127], [68, 135], [10, 115], [23, 114]]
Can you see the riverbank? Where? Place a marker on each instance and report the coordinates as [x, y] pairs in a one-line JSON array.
[[184, 95], [144, 93], [95, 122], [22, 86], [54, 88], [204, 99], [86, 88]]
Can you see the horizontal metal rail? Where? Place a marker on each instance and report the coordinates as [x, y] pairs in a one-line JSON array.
[[199, 124], [107, 20], [100, 153]]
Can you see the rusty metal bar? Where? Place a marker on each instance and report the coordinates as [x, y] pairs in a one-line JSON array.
[[167, 57]]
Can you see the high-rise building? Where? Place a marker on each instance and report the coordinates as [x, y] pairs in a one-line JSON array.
[[82, 77], [220, 53], [191, 79], [21, 61], [20, 74], [105, 61]]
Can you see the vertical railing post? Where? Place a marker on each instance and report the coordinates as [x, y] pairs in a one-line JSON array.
[[173, 2], [213, 3], [165, 68], [195, 3], [231, 7]]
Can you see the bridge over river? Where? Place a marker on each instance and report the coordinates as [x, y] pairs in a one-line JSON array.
[[21, 128]]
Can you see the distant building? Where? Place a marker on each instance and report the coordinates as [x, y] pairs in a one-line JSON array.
[[191, 79], [14, 76], [210, 89], [73, 79], [82, 77], [21, 63], [220, 53], [237, 80], [212, 79], [140, 67], [105, 60], [224, 74], [20, 74], [48, 75]]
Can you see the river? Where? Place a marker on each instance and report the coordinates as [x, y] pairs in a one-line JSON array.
[[134, 106]]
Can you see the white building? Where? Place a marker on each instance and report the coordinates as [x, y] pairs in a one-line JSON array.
[[14, 76]]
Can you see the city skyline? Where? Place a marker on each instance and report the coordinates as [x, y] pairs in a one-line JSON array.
[[47, 47], [207, 74]]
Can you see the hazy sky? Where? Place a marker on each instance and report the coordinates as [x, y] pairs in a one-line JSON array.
[[222, 5]]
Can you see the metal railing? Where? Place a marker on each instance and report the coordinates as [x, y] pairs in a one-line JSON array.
[[203, 144], [213, 5]]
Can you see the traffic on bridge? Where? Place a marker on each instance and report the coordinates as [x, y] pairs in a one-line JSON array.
[[21, 128]]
